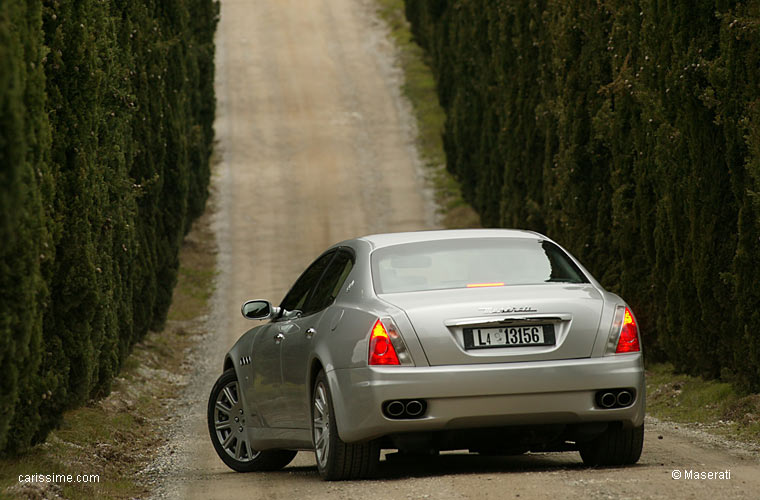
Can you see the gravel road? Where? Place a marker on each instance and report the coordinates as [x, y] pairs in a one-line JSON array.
[[316, 146]]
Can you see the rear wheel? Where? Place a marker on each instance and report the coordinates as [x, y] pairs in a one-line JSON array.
[[615, 446], [336, 459], [226, 425]]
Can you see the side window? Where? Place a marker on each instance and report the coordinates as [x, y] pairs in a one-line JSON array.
[[328, 288], [299, 293]]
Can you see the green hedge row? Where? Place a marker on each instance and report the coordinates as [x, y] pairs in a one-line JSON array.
[[106, 116], [628, 130]]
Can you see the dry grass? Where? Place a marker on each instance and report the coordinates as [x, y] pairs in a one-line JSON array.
[[710, 405]]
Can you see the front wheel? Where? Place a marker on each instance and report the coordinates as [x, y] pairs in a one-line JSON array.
[[226, 425], [336, 459], [615, 446]]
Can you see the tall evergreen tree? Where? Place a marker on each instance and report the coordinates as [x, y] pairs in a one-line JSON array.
[[628, 131], [106, 131], [26, 185]]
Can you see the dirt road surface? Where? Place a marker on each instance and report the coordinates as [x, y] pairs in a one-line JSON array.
[[316, 146]]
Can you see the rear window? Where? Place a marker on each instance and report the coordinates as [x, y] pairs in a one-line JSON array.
[[470, 263]]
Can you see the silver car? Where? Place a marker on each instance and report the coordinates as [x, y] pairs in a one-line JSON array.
[[493, 341]]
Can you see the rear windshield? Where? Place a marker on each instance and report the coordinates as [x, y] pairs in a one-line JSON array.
[[471, 263]]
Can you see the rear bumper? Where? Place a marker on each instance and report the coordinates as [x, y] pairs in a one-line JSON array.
[[486, 395]]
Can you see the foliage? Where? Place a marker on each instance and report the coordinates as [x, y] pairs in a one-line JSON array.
[[630, 132], [106, 116]]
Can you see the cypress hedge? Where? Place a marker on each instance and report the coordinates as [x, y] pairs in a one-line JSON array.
[[630, 132], [106, 131]]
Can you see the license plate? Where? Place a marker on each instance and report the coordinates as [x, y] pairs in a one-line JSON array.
[[508, 336]]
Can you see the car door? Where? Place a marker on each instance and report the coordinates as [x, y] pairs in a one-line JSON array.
[[263, 392], [301, 333], [268, 386]]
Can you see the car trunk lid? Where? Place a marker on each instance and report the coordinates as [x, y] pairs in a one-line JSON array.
[[446, 320]]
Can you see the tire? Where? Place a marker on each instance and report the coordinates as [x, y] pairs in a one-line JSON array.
[[616, 446], [226, 425], [337, 460]]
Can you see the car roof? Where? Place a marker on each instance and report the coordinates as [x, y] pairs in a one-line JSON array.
[[389, 239]]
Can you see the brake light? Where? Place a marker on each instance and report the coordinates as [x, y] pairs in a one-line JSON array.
[[481, 285], [629, 334], [381, 350]]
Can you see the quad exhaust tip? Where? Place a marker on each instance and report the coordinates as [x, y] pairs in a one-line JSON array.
[[395, 409], [624, 398], [615, 398], [413, 408], [398, 409], [608, 400]]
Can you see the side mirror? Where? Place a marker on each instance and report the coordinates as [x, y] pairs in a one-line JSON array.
[[259, 309]]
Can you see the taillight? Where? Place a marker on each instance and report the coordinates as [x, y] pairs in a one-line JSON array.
[[381, 351], [624, 334], [386, 347]]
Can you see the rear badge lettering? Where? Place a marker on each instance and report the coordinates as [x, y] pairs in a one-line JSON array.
[[503, 310]]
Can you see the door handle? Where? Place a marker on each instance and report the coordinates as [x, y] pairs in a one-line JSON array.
[[278, 338], [310, 332]]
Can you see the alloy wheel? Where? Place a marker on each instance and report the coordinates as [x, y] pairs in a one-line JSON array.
[[229, 424], [321, 424]]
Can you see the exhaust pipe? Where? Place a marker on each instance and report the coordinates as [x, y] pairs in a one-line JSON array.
[[414, 408], [607, 400], [624, 398], [395, 409]]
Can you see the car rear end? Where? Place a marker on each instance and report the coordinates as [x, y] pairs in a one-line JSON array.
[[495, 342]]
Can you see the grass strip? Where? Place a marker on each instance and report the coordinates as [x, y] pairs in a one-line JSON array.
[[710, 405], [419, 89]]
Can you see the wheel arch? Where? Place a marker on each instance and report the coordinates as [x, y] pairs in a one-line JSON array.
[[228, 364], [337, 395], [315, 366]]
